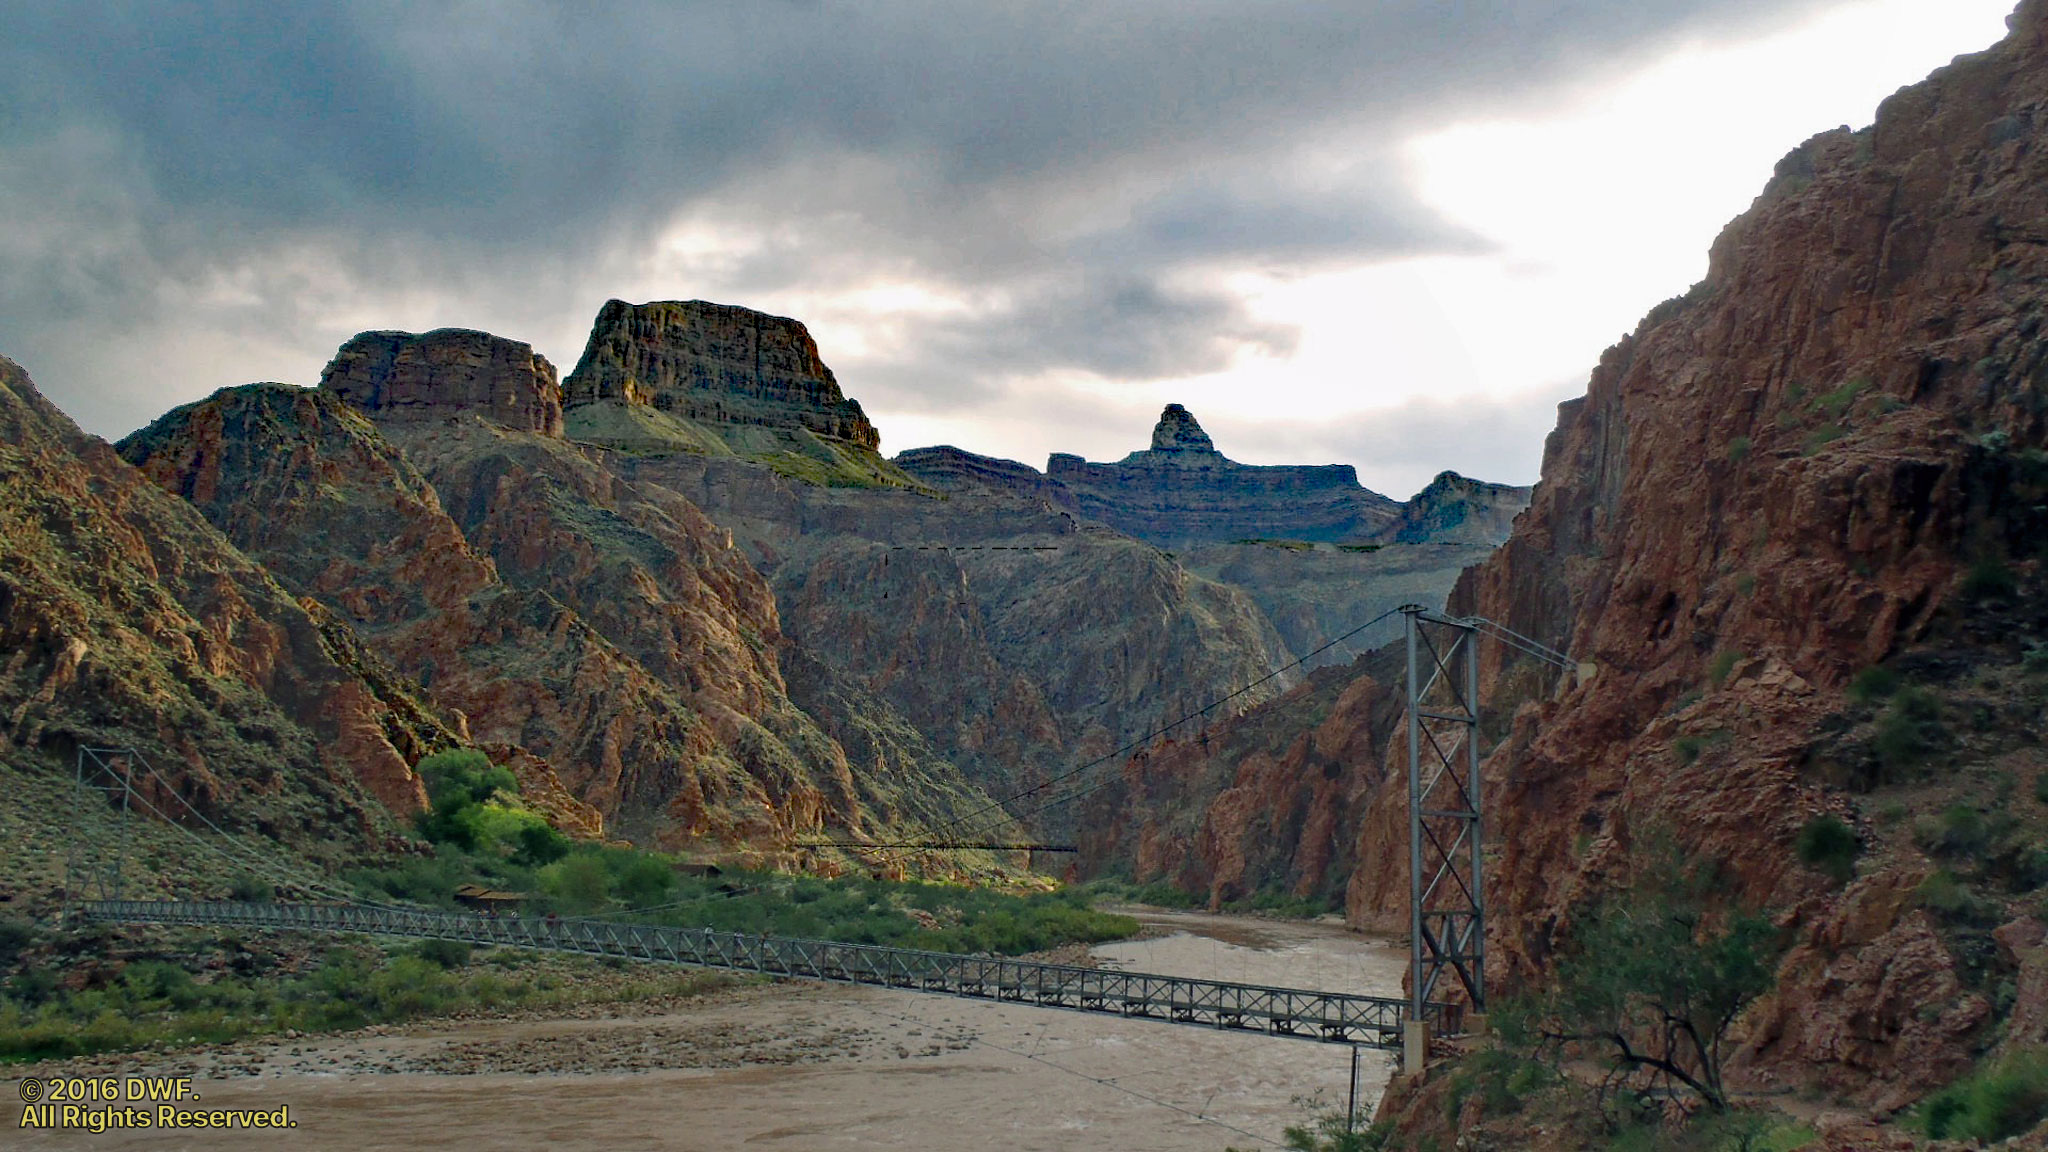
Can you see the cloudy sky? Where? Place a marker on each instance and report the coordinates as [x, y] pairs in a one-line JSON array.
[[1392, 233]]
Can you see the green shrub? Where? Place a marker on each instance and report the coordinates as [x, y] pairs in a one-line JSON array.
[[17, 935], [540, 844], [1820, 438], [2003, 1100], [1501, 1080], [1687, 748], [2027, 866], [1911, 728], [408, 986], [1874, 683], [1989, 579], [32, 986], [1641, 973], [1828, 844], [2041, 786], [1941, 892], [464, 776], [1963, 832], [251, 890], [1723, 663], [443, 953], [153, 985], [2036, 657], [458, 783], [1738, 449], [421, 879], [1837, 403], [578, 883], [642, 881]]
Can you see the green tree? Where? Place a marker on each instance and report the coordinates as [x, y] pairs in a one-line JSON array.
[[1657, 973], [643, 881], [577, 883], [463, 776], [463, 797]]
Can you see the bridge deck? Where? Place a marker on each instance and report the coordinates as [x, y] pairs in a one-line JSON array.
[[1327, 1016]]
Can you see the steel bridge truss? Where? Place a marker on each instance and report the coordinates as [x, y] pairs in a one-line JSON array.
[[1447, 893], [1326, 1016]]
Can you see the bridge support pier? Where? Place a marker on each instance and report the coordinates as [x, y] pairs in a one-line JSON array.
[[1414, 1046]]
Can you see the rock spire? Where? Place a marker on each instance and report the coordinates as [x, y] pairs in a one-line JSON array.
[[1178, 431]]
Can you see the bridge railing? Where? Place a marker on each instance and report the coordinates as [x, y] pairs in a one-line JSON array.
[[1298, 1012]]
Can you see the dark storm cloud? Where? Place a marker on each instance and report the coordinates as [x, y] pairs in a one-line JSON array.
[[170, 166]]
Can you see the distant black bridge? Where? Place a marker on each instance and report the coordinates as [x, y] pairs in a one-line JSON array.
[[1333, 1017]]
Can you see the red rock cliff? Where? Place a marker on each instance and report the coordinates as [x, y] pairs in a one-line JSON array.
[[1831, 453], [1776, 481]]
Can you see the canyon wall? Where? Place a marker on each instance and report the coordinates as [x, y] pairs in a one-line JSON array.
[[129, 622], [1830, 455]]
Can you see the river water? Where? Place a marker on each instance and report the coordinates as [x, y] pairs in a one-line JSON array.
[[805, 1066]]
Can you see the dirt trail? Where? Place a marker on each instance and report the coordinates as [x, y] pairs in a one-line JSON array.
[[807, 1066]]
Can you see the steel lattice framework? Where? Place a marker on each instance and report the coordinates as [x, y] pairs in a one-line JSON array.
[[1446, 833], [94, 863], [1326, 1016]]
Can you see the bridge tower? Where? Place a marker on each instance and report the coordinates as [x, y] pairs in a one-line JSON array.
[[98, 852], [1446, 831]]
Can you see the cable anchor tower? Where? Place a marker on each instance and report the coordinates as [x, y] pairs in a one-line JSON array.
[[94, 864]]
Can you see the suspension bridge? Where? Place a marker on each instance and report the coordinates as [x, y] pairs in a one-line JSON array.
[[1336, 1017], [1447, 898]]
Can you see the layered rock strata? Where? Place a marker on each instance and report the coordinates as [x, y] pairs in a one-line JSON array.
[[1182, 491], [399, 375], [715, 364]]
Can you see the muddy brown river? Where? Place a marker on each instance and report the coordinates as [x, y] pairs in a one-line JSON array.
[[806, 1066]]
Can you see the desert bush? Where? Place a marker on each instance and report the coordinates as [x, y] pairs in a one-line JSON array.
[[17, 936], [1820, 438], [251, 890], [2001, 1100], [443, 953], [1910, 729], [1723, 663], [1501, 1079], [2035, 659], [577, 883], [1837, 403], [1963, 832], [1828, 844], [642, 881], [1946, 895], [408, 986], [1874, 683], [1989, 579], [539, 844], [1655, 975]]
